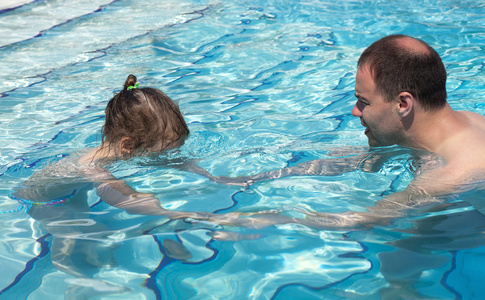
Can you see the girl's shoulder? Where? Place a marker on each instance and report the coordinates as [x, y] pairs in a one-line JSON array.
[[69, 169]]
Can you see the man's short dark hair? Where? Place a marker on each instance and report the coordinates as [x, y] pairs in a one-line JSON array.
[[397, 67]]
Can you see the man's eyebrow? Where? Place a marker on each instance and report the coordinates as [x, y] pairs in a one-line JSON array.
[[361, 98]]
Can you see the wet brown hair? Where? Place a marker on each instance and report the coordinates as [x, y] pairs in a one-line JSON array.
[[399, 63], [145, 115]]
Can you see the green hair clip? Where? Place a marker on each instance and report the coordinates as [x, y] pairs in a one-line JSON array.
[[133, 86]]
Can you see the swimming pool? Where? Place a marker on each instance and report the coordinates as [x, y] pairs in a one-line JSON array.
[[263, 85]]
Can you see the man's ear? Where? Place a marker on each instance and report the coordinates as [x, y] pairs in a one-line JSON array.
[[405, 104], [127, 145]]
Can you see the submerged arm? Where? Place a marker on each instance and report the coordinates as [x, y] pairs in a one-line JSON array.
[[117, 193], [421, 194], [322, 167], [329, 167], [381, 214]]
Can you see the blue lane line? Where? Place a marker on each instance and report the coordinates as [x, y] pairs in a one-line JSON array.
[[29, 266], [444, 279], [42, 32], [16, 7], [331, 284]]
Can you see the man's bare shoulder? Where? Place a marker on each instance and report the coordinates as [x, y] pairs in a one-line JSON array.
[[466, 170], [469, 135], [475, 120], [464, 150]]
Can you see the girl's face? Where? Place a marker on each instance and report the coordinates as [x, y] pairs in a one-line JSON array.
[[127, 150], [164, 145]]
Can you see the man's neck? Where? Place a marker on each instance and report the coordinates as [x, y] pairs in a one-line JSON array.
[[430, 130]]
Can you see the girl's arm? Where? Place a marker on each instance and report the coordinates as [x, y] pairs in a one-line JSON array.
[[117, 193]]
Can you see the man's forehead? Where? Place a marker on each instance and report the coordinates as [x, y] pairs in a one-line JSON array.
[[363, 78], [364, 68]]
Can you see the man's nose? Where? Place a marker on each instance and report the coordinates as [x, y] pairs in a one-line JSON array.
[[356, 111]]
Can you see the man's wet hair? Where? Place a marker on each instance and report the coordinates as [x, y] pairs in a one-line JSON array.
[[399, 63]]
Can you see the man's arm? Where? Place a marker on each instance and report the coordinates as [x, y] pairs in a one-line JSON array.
[[426, 191], [338, 162], [381, 214], [323, 167]]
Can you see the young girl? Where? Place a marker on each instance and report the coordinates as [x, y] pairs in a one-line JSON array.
[[139, 121]]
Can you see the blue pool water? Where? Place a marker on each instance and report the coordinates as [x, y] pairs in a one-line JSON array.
[[263, 85]]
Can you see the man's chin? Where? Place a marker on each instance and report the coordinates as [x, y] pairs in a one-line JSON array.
[[374, 143]]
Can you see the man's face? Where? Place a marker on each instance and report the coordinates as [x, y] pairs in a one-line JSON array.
[[377, 115]]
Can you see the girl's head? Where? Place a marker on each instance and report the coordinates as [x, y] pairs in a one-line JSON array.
[[142, 119]]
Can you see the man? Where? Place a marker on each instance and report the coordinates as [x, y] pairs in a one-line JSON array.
[[401, 99]]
